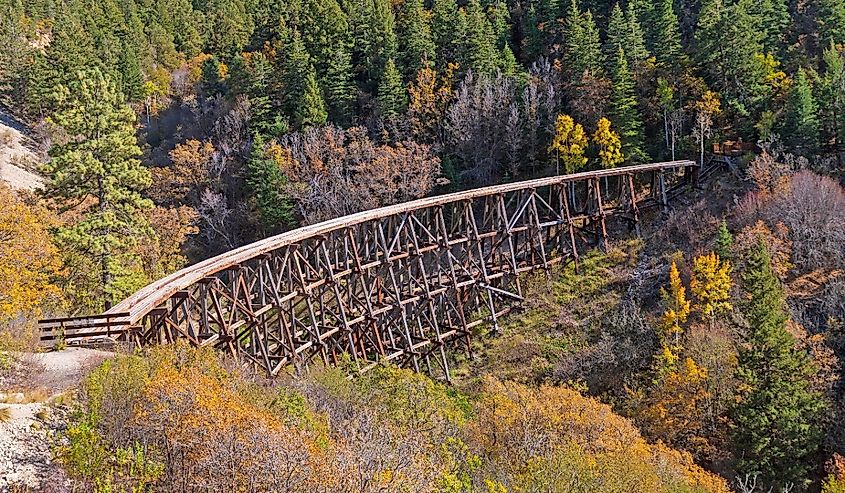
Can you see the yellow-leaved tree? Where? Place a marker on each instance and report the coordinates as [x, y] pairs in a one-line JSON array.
[[708, 107], [711, 284], [570, 142], [28, 260], [676, 313], [428, 99], [673, 408], [610, 145]]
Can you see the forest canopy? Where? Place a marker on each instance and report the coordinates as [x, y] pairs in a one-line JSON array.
[[703, 356]]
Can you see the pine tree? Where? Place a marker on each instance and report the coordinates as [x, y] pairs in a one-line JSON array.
[[186, 36], [339, 87], [312, 109], [635, 45], [71, 50], [303, 99], [667, 36], [774, 21], [729, 43], [709, 47], [325, 32], [15, 57], [416, 44], [359, 15], [392, 99], [625, 114], [724, 242], [832, 97], [617, 33], [371, 23], [583, 48], [267, 182], [449, 31], [99, 169], [130, 73], [831, 18], [534, 37], [624, 31], [507, 61], [591, 48], [481, 54], [776, 422], [229, 26], [385, 45], [801, 124], [253, 78], [499, 16]]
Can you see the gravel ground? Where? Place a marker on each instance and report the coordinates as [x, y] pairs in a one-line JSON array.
[[36, 395]]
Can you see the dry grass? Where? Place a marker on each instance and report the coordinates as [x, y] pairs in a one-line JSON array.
[[7, 137], [26, 397], [5, 414], [64, 399]]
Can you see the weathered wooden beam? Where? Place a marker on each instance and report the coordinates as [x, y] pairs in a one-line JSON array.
[[398, 283]]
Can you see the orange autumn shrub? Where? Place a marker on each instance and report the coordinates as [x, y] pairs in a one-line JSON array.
[[214, 438], [193, 424], [541, 439]]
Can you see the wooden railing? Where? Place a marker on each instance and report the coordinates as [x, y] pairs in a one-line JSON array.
[[397, 283]]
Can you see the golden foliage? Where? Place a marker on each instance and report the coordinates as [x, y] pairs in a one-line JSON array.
[[207, 429], [709, 104], [161, 253], [554, 439], [193, 165], [428, 100], [208, 425], [711, 284], [777, 79], [677, 311], [28, 259], [570, 143], [610, 145], [675, 405]]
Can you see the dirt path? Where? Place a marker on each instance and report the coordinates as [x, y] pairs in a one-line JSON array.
[[36, 400], [14, 152]]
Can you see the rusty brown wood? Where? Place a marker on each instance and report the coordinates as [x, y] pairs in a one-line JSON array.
[[398, 283]]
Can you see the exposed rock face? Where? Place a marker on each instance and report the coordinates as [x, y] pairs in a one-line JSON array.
[[16, 155]]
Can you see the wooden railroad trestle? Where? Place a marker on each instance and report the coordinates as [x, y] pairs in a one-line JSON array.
[[397, 283]]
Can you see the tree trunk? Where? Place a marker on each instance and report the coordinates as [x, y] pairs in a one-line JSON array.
[[106, 277]]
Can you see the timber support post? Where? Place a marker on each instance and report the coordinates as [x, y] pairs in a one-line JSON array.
[[401, 283]]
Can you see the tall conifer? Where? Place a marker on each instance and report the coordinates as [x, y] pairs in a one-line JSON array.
[[392, 98], [416, 44], [801, 124], [625, 113], [98, 173], [776, 422]]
